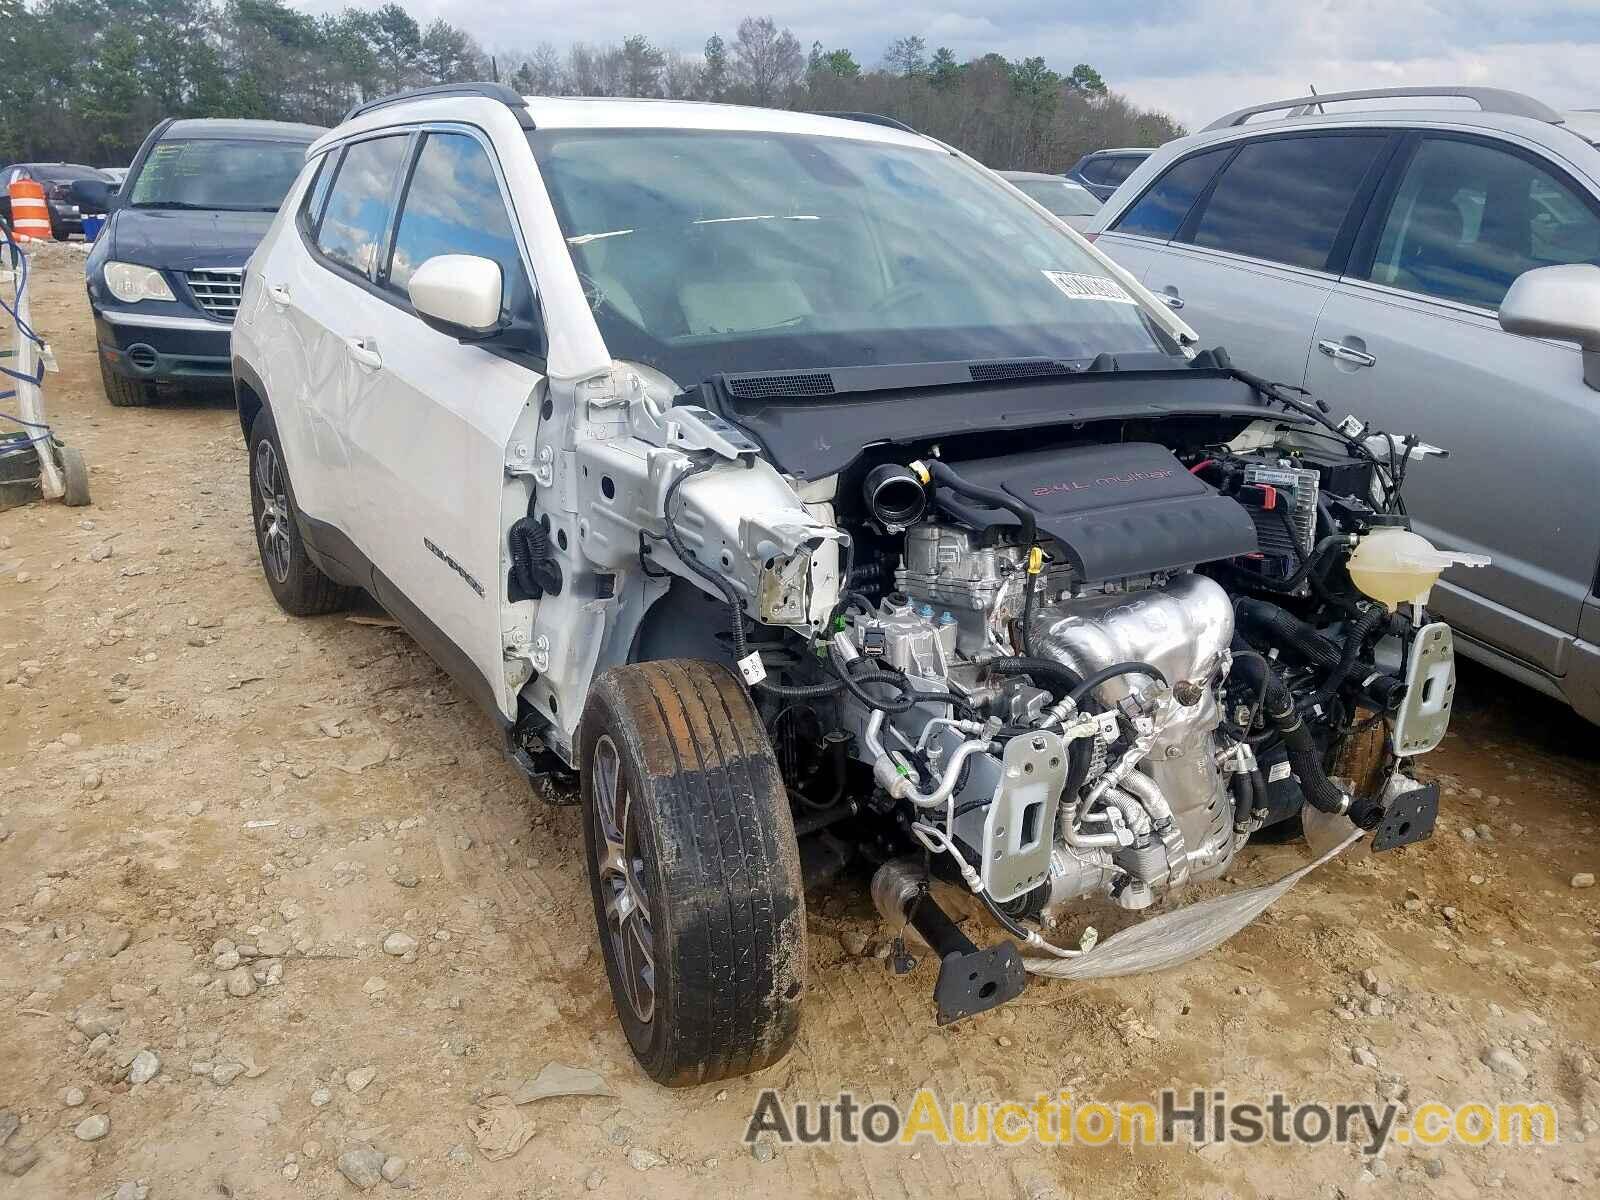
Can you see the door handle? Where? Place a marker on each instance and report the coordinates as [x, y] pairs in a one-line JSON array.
[[1342, 353], [278, 294], [1170, 295], [365, 352]]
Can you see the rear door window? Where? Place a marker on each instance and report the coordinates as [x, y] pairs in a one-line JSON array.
[[1285, 199], [356, 222], [1468, 218], [1161, 210]]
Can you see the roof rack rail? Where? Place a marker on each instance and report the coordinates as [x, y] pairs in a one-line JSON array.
[[1489, 100], [488, 91], [867, 118]]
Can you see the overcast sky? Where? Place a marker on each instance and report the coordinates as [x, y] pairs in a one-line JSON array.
[[1196, 59]]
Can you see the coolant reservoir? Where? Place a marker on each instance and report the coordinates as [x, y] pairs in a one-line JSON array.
[[1395, 565]]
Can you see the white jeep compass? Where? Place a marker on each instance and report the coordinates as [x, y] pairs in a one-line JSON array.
[[826, 506]]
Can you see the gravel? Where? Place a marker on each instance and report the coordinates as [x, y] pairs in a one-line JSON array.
[[398, 944], [1502, 1062], [358, 1079], [145, 1066], [240, 982], [362, 1166]]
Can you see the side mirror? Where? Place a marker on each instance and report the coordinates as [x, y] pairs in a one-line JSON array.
[[458, 294], [1561, 303], [94, 195]]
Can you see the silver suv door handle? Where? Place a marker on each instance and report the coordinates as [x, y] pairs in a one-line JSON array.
[[278, 294], [1170, 295], [1343, 353], [365, 352]]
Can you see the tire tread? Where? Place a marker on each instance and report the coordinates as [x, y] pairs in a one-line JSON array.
[[737, 949]]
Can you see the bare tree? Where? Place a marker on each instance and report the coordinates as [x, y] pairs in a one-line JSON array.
[[538, 73], [682, 78], [767, 61]]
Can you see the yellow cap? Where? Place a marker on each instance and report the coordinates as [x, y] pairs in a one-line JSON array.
[[1035, 560]]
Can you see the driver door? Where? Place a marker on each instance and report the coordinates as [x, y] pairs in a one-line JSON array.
[[427, 431]]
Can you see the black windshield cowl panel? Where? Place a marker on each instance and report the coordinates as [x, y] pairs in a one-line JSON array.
[[816, 423]]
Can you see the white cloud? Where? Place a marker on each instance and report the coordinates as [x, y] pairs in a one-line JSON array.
[[1560, 74], [1194, 58]]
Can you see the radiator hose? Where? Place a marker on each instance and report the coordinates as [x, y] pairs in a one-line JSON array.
[[1305, 760]]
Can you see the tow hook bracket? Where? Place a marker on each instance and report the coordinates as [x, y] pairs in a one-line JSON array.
[[1409, 818], [979, 980]]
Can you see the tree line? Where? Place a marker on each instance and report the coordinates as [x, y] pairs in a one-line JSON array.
[[86, 79]]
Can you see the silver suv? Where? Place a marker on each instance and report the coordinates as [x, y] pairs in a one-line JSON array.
[[1417, 265]]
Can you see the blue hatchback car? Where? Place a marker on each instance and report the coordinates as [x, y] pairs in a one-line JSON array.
[[164, 276]]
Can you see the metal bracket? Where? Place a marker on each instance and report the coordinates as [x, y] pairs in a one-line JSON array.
[[978, 981], [1409, 818]]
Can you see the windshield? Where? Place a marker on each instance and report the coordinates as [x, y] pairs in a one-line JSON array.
[[239, 175], [712, 251], [1059, 196]]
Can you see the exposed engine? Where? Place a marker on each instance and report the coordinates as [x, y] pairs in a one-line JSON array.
[[1093, 672]]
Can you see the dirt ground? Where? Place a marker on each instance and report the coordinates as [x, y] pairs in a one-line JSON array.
[[189, 771]]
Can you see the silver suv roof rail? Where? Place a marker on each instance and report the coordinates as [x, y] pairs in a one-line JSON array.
[[1489, 100]]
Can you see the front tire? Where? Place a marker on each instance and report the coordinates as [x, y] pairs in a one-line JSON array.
[[296, 583], [124, 392], [694, 871]]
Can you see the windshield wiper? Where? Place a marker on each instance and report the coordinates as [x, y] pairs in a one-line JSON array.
[[168, 204]]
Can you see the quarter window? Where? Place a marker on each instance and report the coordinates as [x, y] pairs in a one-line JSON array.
[[1468, 219], [1161, 210], [453, 205], [357, 217], [1284, 199]]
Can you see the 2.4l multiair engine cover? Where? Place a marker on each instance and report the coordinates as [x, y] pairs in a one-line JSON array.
[[1118, 510]]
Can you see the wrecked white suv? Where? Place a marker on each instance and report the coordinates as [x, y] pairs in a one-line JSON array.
[[827, 507]]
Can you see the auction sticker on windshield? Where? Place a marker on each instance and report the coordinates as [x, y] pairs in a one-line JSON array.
[[1089, 287]]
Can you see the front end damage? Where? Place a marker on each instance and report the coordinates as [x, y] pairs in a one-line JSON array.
[[1051, 679]]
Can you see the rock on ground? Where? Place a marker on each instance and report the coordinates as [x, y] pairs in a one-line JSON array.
[[362, 1165]]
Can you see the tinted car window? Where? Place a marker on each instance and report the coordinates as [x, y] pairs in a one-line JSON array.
[[1095, 170], [1161, 210], [352, 229], [1468, 219], [453, 206], [1285, 199], [1118, 169]]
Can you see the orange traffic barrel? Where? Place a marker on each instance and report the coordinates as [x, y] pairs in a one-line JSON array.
[[30, 218]]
